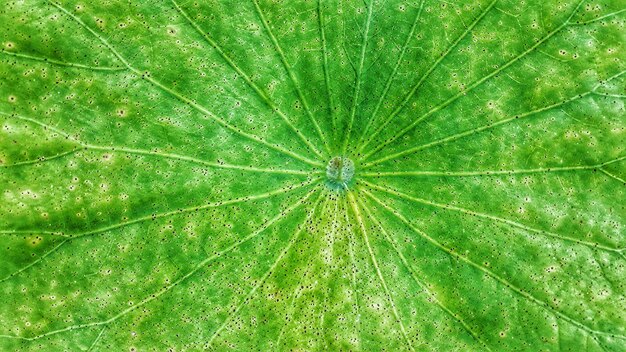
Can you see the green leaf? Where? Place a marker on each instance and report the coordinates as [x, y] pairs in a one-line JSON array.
[[313, 175]]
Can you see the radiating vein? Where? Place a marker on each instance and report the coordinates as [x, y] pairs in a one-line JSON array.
[[357, 214], [489, 126], [391, 77], [231, 127], [220, 165], [267, 273], [119, 149], [472, 86], [426, 74], [166, 214], [156, 295], [291, 75], [506, 283], [359, 74], [512, 223], [331, 244], [355, 288], [172, 156], [419, 281], [488, 172], [30, 232], [331, 98], [62, 63], [356, 203], [266, 99], [183, 98], [152, 217], [214, 204]]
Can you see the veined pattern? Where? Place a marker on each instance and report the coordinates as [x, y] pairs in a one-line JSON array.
[[313, 175]]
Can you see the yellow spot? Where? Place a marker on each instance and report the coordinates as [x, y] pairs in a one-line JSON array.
[[34, 241], [171, 30]]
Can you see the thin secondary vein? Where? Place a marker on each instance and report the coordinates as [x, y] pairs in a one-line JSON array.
[[31, 232], [598, 18], [93, 344], [54, 249], [613, 176], [291, 308], [62, 63], [42, 159], [221, 165], [191, 209], [331, 244], [610, 95]]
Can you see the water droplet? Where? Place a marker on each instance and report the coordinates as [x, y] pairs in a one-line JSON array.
[[339, 173]]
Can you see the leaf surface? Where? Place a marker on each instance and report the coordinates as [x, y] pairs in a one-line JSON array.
[[313, 175]]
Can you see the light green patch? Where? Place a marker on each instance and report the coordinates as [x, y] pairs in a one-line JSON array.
[[313, 175]]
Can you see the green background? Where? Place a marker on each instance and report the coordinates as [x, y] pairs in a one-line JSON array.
[[163, 175]]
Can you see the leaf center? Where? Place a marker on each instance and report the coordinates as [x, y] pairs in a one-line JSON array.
[[339, 173]]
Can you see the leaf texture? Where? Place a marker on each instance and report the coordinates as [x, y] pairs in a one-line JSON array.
[[313, 175]]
